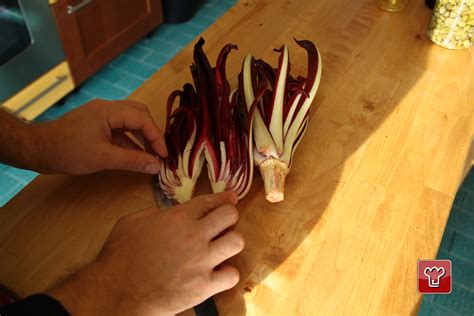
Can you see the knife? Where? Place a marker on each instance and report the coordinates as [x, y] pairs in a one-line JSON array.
[[208, 307]]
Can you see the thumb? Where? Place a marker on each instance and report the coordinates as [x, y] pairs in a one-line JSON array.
[[132, 159]]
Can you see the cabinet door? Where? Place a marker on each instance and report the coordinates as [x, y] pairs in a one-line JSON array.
[[93, 32]]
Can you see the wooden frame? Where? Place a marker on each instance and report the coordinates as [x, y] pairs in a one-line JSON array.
[[90, 37]]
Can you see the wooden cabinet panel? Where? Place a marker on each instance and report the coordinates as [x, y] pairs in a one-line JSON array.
[[102, 29], [123, 13], [89, 22]]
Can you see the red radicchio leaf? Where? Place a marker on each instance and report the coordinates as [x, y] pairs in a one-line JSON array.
[[313, 64], [205, 86], [180, 123]]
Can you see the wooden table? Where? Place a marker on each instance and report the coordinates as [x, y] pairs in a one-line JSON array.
[[370, 190]]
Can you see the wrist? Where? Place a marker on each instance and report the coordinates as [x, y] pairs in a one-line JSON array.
[[22, 144], [33, 148], [97, 290], [14, 138], [41, 148], [86, 293], [38, 150]]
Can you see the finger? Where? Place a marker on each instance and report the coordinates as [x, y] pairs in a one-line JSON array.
[[219, 219], [130, 118], [137, 105], [139, 137], [132, 160], [136, 133], [224, 278], [122, 140], [135, 136], [225, 247], [202, 205]]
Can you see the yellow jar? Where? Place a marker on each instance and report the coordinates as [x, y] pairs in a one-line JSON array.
[[392, 5], [452, 24]]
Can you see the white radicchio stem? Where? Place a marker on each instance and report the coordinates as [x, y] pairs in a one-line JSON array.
[[183, 166], [281, 117]]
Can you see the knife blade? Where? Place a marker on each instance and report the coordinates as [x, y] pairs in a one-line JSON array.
[[208, 307], [161, 199]]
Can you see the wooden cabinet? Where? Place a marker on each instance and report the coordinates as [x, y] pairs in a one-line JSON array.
[[93, 32]]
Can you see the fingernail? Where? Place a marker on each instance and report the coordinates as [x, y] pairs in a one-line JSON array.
[[152, 168]]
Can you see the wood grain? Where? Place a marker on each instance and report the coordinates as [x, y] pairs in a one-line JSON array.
[[370, 190]]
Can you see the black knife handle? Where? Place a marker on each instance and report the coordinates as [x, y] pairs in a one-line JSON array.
[[206, 308]]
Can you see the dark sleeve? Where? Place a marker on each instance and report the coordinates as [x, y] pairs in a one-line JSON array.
[[35, 305]]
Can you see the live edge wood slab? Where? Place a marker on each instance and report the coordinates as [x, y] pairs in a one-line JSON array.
[[370, 189]]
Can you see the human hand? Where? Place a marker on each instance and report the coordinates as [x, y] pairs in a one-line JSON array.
[[160, 262], [91, 138]]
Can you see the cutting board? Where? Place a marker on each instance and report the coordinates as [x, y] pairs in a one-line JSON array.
[[369, 192]]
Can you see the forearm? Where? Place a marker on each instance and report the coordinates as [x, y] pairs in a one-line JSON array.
[[84, 293], [17, 141], [96, 290], [87, 292], [88, 139]]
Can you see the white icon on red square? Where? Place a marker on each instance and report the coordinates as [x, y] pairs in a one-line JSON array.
[[434, 276]]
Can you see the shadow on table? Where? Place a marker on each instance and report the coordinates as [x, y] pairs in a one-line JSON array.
[[387, 67]]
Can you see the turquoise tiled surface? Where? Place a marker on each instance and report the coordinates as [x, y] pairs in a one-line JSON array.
[[458, 246], [136, 67], [122, 76]]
